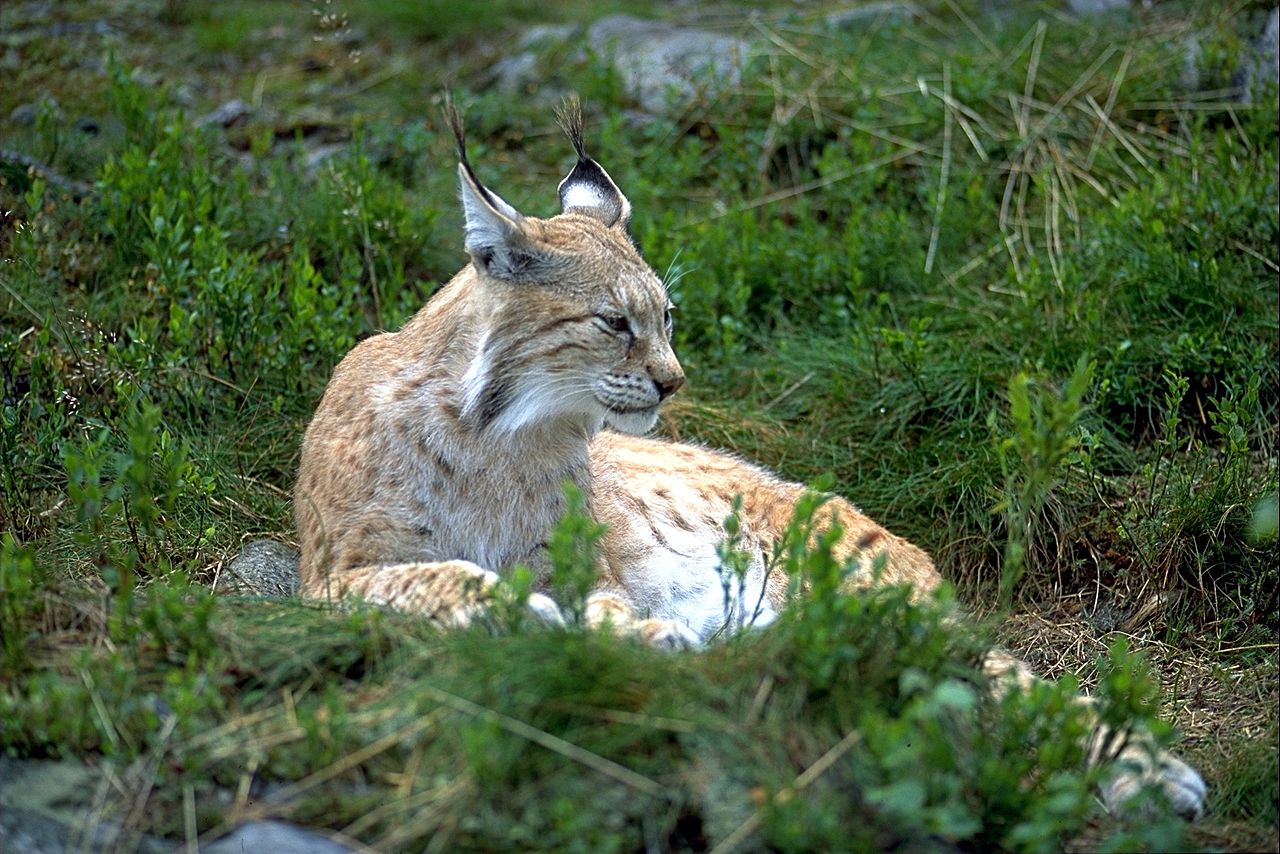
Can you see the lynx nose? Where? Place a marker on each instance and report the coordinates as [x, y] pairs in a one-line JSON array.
[[668, 387]]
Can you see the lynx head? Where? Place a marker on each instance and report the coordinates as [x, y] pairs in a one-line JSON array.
[[577, 327]]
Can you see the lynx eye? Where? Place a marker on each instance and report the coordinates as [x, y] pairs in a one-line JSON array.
[[667, 322], [616, 322]]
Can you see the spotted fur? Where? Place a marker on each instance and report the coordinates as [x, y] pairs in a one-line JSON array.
[[437, 457]]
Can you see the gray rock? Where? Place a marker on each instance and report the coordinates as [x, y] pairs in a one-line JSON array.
[[639, 120], [34, 11], [520, 72], [662, 65], [276, 837], [48, 807], [1095, 7], [350, 37], [1255, 72], [319, 155], [1189, 73], [23, 115], [227, 114], [75, 28], [263, 568], [514, 73], [872, 13], [1260, 67], [543, 35]]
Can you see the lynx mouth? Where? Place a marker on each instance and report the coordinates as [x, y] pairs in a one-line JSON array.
[[636, 420], [631, 410]]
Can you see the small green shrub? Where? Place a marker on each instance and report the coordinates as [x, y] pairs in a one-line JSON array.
[[574, 555], [1042, 440], [19, 605]]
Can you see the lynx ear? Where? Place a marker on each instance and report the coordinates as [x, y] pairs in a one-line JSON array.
[[494, 238], [588, 189]]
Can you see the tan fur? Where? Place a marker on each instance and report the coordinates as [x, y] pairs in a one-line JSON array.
[[437, 458]]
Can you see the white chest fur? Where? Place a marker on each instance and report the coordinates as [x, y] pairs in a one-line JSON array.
[[679, 577]]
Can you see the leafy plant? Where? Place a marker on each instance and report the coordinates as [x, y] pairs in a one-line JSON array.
[[18, 603], [1041, 441]]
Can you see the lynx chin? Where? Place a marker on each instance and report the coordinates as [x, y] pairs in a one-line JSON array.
[[436, 459]]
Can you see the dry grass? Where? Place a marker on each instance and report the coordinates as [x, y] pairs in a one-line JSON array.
[[1217, 702]]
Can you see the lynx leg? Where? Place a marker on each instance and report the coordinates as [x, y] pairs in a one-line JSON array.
[[1142, 764], [453, 593], [1138, 762], [608, 610]]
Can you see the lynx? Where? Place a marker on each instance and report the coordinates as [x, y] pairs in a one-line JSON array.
[[437, 457]]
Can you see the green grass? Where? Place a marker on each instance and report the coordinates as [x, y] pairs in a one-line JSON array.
[[1247, 792], [895, 249], [858, 723]]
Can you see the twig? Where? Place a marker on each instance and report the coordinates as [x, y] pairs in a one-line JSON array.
[[555, 744], [288, 793], [1028, 87], [789, 390], [786, 46], [1024, 189], [813, 772], [973, 138], [1249, 647], [189, 818], [1009, 241], [808, 186], [1067, 185], [973, 28], [973, 263], [143, 773], [410, 805], [1052, 214], [376, 79], [1055, 111], [76, 189], [941, 199], [878, 133], [1119, 134], [634, 719], [1116, 80], [1256, 254]]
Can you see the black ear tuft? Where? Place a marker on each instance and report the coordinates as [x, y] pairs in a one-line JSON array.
[[569, 116], [495, 238], [453, 117], [588, 189]]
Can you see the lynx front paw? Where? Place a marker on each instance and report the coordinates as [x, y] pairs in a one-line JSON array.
[[454, 594], [544, 610], [1178, 781], [490, 593], [605, 610], [667, 634]]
